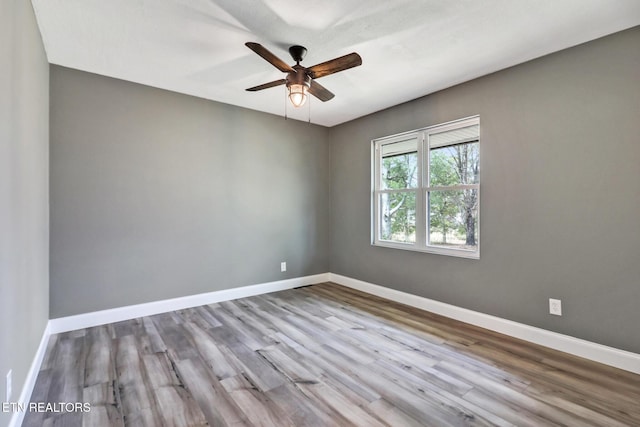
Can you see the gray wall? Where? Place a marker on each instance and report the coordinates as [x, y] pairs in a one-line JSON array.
[[560, 194], [24, 197], [158, 195]]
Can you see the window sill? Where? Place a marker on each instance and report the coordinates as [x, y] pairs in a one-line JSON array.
[[458, 253]]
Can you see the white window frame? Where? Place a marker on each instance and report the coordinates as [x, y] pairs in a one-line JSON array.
[[422, 190]]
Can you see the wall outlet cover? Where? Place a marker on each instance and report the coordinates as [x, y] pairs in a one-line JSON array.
[[555, 307], [283, 266]]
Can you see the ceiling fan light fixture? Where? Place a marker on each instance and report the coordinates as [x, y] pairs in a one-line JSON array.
[[298, 94], [298, 84]]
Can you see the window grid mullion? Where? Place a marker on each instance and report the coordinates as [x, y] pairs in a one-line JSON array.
[[427, 182], [376, 192], [453, 187], [419, 197], [396, 190]]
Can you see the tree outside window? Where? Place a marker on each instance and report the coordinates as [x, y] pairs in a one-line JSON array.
[[453, 212], [398, 213]]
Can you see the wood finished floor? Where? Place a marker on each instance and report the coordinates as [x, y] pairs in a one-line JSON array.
[[323, 355]]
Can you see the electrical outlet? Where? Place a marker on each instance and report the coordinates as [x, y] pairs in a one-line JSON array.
[[283, 266], [555, 307], [8, 383]]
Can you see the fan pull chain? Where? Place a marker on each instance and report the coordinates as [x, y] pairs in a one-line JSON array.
[[309, 109], [285, 103]]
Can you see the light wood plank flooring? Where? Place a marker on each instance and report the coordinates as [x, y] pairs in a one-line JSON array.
[[323, 355]]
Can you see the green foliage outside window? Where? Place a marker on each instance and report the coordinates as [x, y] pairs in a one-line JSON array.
[[453, 213], [399, 172]]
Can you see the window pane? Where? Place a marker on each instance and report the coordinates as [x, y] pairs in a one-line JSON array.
[[399, 168], [454, 164], [454, 136], [398, 217], [453, 218]]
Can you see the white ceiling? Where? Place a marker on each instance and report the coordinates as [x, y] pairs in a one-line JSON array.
[[409, 48]]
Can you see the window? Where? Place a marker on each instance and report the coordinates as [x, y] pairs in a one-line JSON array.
[[427, 189]]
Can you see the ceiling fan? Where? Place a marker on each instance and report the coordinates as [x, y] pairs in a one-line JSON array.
[[302, 80]]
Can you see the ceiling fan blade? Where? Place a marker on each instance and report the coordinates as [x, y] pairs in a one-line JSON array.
[[320, 92], [269, 57], [333, 66], [267, 85]]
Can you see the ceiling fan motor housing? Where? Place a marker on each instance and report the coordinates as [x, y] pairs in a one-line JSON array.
[[299, 77]]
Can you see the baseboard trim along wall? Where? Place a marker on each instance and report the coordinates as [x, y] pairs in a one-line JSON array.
[[589, 350], [32, 376], [96, 318]]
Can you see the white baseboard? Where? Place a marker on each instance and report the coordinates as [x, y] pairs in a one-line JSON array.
[[32, 376], [96, 318], [597, 352]]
